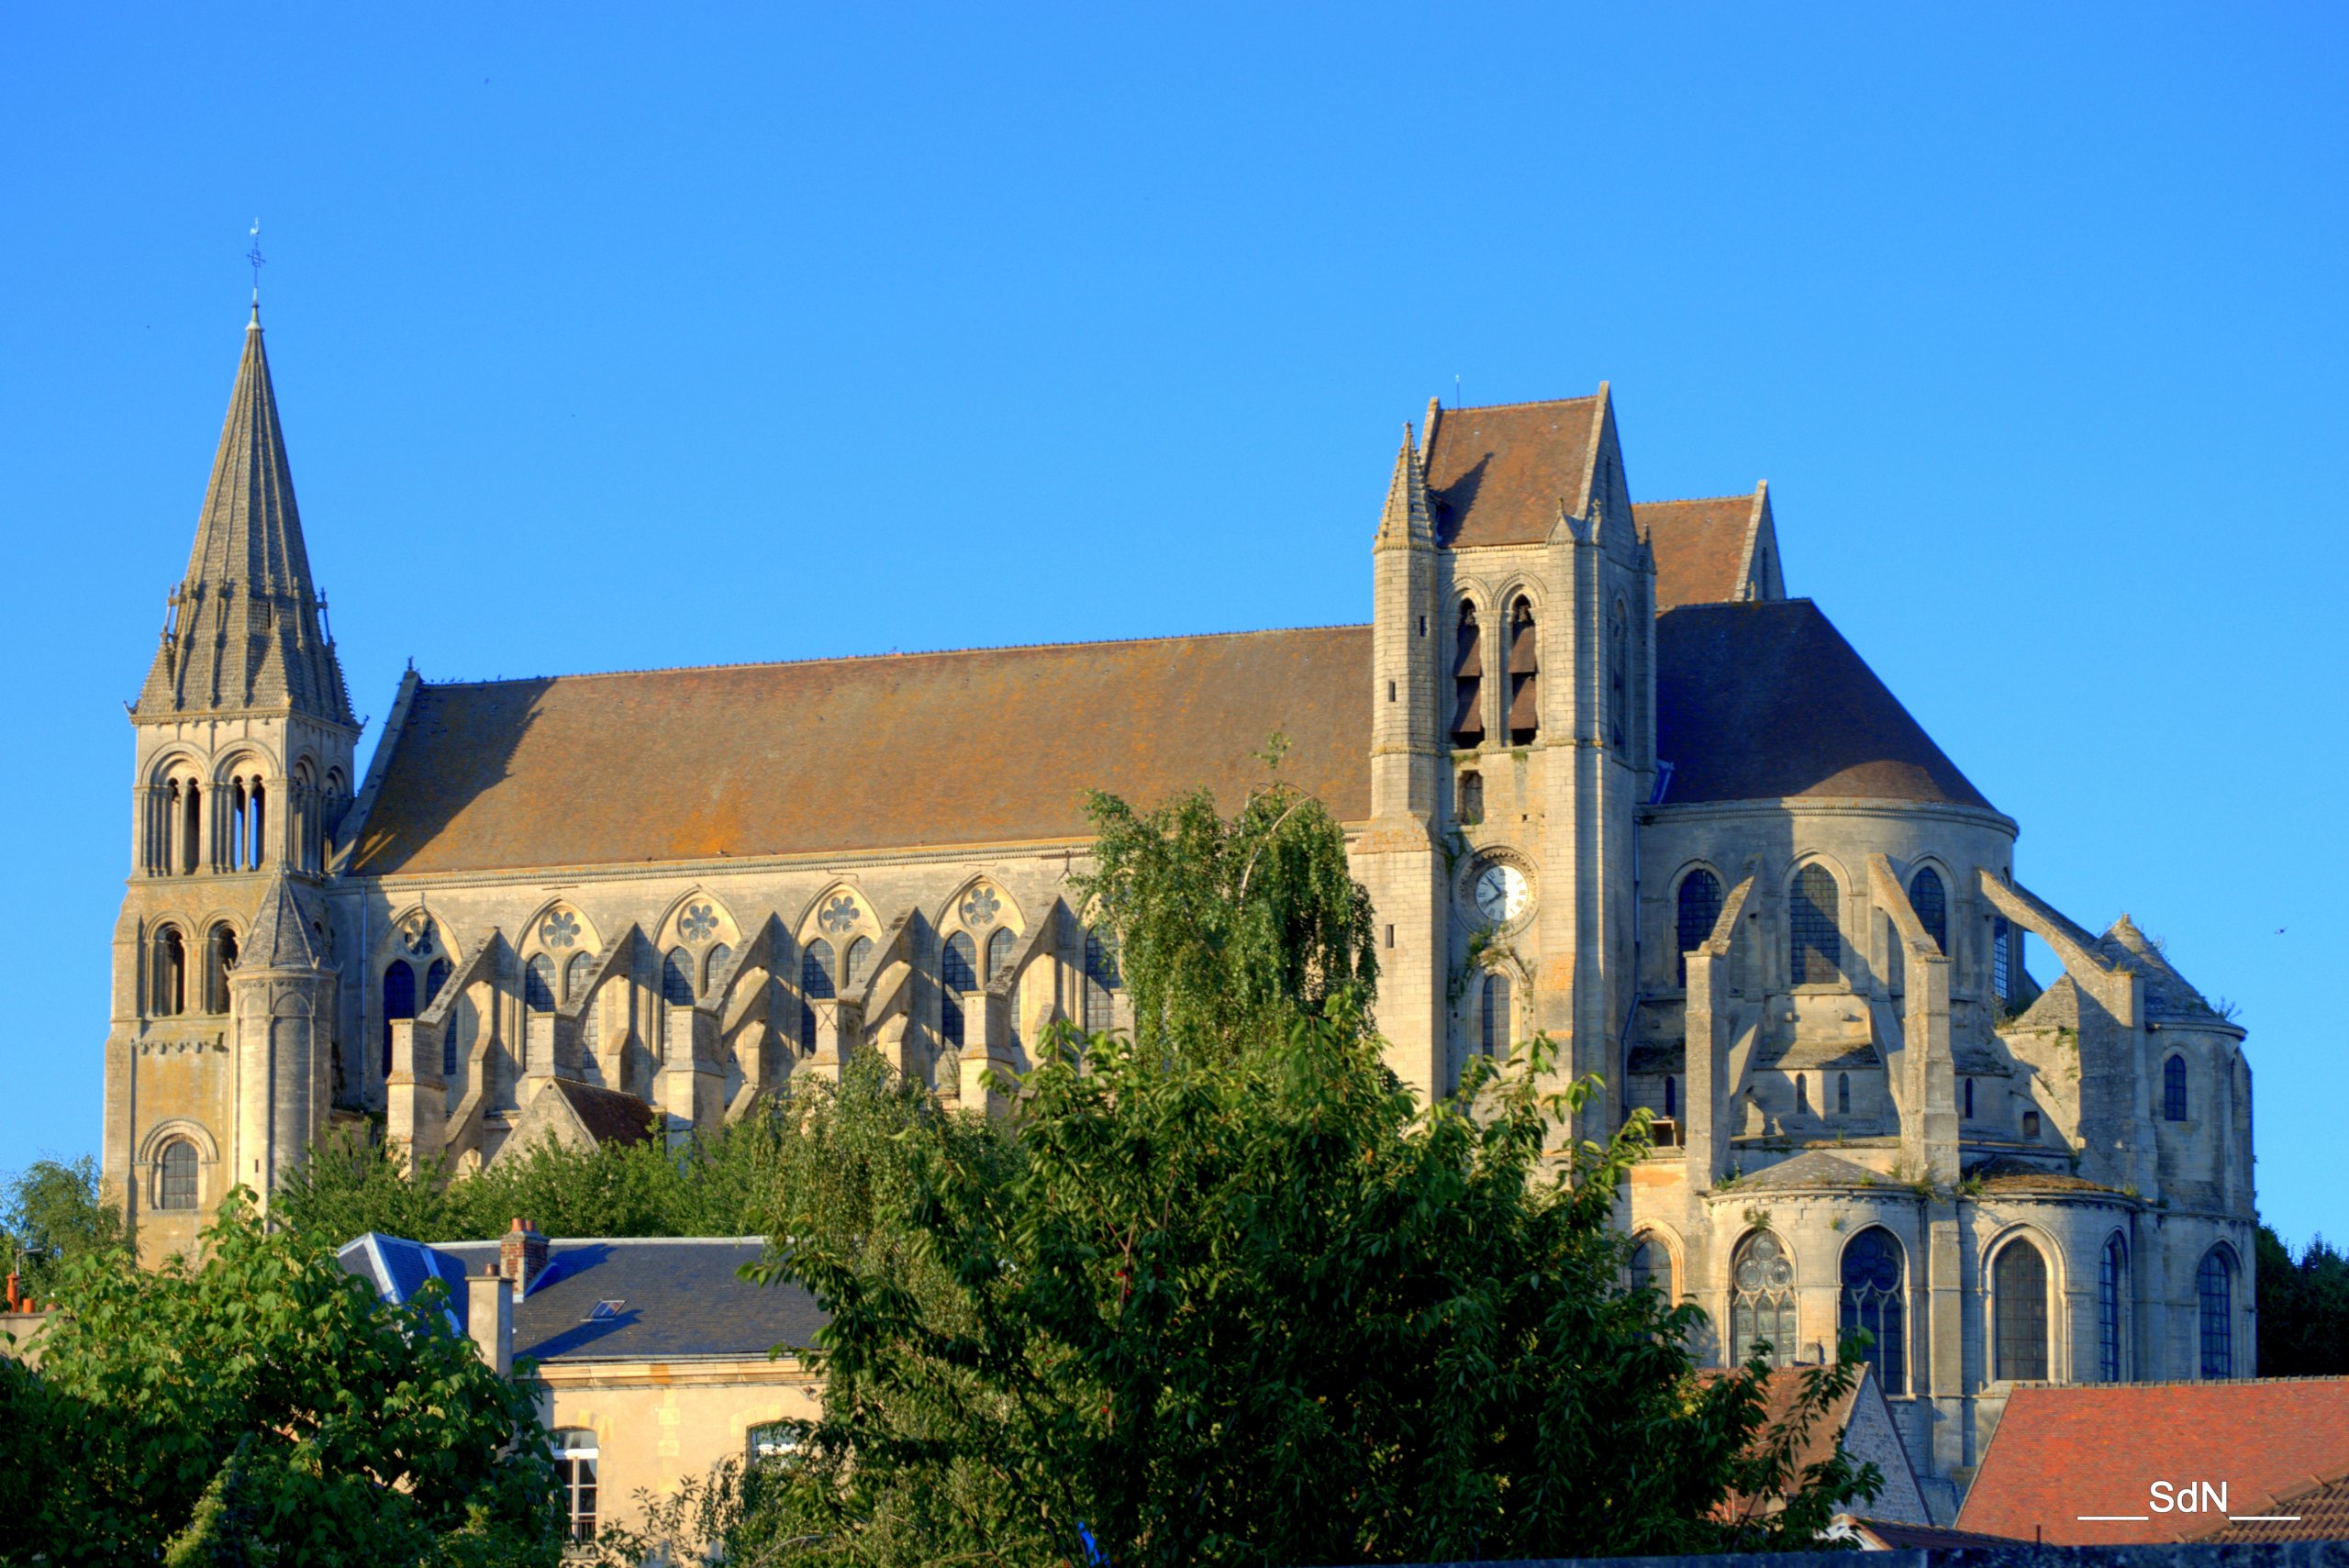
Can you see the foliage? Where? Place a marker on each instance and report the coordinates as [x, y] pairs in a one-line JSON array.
[[49, 1213], [1225, 928], [263, 1406], [720, 1182], [1230, 1295], [2303, 1309]]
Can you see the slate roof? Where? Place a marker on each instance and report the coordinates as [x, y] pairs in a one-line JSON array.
[[1503, 475], [984, 746], [286, 934], [1699, 546], [1764, 701], [607, 1116], [2097, 1449], [677, 1299], [246, 632]]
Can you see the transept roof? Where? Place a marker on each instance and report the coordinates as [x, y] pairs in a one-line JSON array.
[[245, 629]]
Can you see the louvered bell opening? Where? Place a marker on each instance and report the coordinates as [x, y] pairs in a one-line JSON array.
[[1471, 659], [1467, 714], [1525, 707], [1522, 659]]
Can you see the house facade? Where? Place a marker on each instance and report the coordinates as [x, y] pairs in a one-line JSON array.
[[1602, 777]]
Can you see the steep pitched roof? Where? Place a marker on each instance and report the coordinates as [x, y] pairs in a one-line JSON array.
[[2169, 997], [284, 933], [1766, 701], [2059, 1453], [985, 746], [1502, 474], [245, 629], [673, 1298], [573, 1115], [1704, 549]]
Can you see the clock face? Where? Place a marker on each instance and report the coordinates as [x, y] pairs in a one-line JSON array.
[[1502, 892]]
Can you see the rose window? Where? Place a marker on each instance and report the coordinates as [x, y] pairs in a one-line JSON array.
[[979, 907], [699, 923], [561, 930], [839, 915]]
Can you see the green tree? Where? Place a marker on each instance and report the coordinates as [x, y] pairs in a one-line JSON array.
[[263, 1406], [1226, 1295], [2303, 1309], [52, 1212]]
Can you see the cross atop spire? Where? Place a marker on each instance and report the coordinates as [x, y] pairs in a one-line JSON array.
[[244, 629]]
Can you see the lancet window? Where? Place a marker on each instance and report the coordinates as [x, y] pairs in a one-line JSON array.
[[957, 977], [2214, 1284], [1815, 935], [1873, 1298], [1467, 682], [1101, 984], [2173, 1089], [859, 961], [1650, 1266], [2111, 1291], [1498, 1030], [999, 948], [1699, 911], [1930, 899], [815, 985], [1762, 1300], [2019, 1281], [677, 978], [399, 1001]]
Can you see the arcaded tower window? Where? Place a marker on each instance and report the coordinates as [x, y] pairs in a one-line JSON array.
[[2018, 1278], [219, 958], [170, 973], [1472, 797], [1468, 683], [1875, 1279], [1524, 676], [1816, 938], [1700, 908], [2214, 1283], [1931, 900]]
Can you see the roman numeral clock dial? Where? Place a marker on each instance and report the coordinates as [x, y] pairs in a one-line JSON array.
[[1502, 892]]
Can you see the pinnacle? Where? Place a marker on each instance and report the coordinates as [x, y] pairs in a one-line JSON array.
[[1408, 520]]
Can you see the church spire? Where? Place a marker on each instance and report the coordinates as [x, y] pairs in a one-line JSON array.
[[244, 627], [1406, 521]]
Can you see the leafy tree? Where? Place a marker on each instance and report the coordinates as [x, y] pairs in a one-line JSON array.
[[263, 1406], [2303, 1309], [1226, 1295], [51, 1212]]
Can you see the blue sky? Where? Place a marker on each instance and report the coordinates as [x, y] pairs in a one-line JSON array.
[[617, 337]]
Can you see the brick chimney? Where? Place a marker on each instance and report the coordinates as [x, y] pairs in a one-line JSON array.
[[522, 1257], [489, 1319]]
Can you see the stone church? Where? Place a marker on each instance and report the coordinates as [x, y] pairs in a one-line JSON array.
[[1601, 775]]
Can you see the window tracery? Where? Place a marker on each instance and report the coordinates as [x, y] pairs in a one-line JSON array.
[[1762, 1300], [1873, 1298]]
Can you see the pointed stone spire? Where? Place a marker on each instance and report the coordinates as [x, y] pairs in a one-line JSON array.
[[244, 628], [1407, 522], [284, 934]]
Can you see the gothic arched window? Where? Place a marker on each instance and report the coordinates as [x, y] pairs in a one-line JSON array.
[[576, 972], [434, 978], [219, 958], [538, 985], [1969, 1099], [170, 973], [1618, 675], [1815, 939], [1467, 682], [2173, 1089], [2001, 959], [1472, 797], [1524, 675], [714, 965], [1671, 1096], [1931, 900], [815, 985], [175, 1170], [1650, 1266], [859, 961], [957, 977], [1802, 1094], [999, 948], [1100, 985], [2111, 1290], [1498, 1026], [2019, 1280], [1762, 1300], [677, 978], [2214, 1284], [456, 1034], [1700, 910], [399, 1001], [1872, 1298], [1843, 1093]]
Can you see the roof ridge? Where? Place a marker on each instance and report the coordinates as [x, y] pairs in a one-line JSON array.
[[905, 653], [1744, 496], [1524, 402], [2193, 1382], [587, 1240]]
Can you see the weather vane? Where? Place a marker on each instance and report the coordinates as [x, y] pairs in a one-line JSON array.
[[255, 257]]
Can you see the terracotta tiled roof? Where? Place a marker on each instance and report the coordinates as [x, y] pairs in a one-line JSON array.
[[1501, 475], [987, 746], [1699, 546], [1764, 701], [2060, 1454], [2318, 1512]]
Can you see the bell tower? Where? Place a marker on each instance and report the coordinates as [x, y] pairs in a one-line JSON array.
[[242, 745]]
